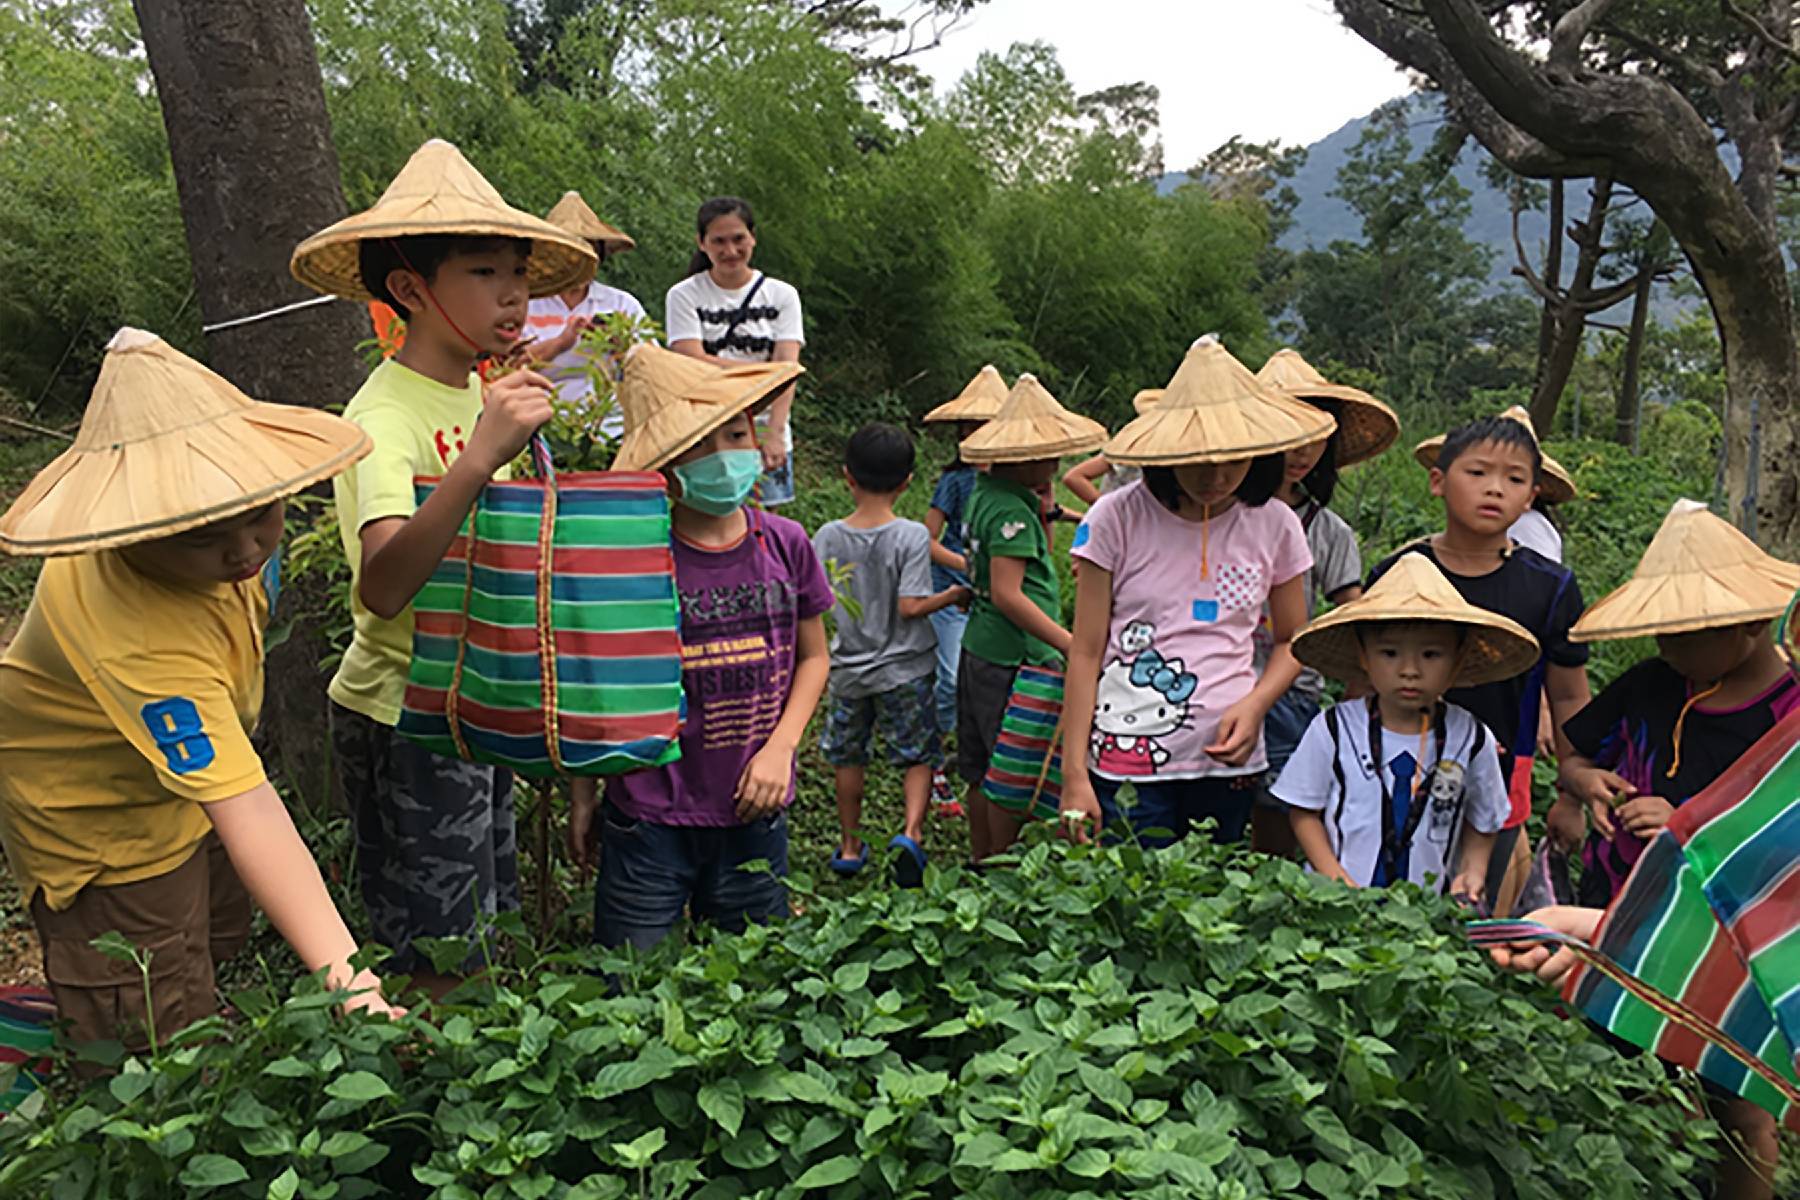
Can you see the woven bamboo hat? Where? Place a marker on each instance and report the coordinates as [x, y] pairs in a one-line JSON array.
[[572, 213], [438, 192], [1214, 410], [1366, 426], [980, 399], [1700, 572], [1494, 647], [167, 445], [1556, 487], [1146, 400], [670, 401], [1030, 426]]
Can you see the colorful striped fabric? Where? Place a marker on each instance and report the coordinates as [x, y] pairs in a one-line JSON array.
[[549, 641], [27, 1030], [1698, 959], [1025, 776]]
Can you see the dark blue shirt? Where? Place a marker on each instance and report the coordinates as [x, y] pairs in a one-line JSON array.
[[951, 497]]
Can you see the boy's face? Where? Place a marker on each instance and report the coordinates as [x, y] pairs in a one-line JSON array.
[[1708, 655], [1488, 487], [1212, 484], [1410, 664], [482, 291], [1035, 474], [735, 434], [227, 551]]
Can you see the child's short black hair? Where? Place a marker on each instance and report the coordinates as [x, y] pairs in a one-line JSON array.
[[1368, 629], [377, 258], [1498, 430], [1321, 482], [1259, 487], [879, 457]]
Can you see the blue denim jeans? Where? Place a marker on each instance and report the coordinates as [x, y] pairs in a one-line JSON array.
[[1288, 718], [651, 874], [948, 624], [1176, 806]]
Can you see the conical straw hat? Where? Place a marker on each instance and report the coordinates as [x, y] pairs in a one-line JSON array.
[[1700, 572], [1214, 410], [980, 399], [438, 192], [1146, 400], [1030, 426], [1366, 426], [1556, 487], [1494, 647], [167, 445], [670, 402], [572, 213]]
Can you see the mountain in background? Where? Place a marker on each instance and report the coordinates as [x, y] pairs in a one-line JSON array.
[[1322, 218]]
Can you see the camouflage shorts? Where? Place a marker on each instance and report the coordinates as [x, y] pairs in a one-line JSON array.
[[434, 837], [905, 717]]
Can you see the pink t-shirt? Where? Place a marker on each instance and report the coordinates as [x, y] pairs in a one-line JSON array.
[[1179, 649]]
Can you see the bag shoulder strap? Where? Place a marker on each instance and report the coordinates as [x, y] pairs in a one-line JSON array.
[[743, 310]]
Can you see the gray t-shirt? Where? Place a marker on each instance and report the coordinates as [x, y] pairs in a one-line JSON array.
[[878, 650], [1337, 563]]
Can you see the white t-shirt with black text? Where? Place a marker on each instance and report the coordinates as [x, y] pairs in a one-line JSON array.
[[699, 309], [1464, 787]]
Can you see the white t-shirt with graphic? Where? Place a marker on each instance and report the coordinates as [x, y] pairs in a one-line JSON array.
[[1186, 603], [700, 310], [1464, 787], [546, 319]]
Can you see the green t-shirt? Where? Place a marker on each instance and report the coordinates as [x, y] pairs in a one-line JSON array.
[[1005, 518]]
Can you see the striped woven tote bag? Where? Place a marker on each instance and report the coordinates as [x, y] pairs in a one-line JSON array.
[[1025, 776], [548, 640]]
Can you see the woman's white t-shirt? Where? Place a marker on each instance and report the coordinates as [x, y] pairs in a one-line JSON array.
[[700, 310]]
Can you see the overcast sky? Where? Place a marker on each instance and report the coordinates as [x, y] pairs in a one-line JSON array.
[[1263, 69]]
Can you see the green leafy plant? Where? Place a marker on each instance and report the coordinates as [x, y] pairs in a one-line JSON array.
[[1092, 1022]]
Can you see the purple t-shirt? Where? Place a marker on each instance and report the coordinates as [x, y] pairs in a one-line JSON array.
[[740, 615]]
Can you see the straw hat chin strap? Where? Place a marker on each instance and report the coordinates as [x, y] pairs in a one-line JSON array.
[[429, 296], [1681, 720]]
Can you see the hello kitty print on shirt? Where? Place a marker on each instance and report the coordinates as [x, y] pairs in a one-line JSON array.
[[1142, 698]]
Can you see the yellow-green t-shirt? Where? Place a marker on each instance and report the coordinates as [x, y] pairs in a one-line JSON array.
[[125, 704], [419, 427]]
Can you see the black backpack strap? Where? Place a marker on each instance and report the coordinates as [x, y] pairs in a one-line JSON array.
[[742, 314], [1335, 827]]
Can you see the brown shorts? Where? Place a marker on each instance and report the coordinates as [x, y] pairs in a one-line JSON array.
[[187, 920]]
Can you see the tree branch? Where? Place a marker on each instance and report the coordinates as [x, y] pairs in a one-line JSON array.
[[1704, 72], [1523, 269], [1761, 31], [1572, 29]]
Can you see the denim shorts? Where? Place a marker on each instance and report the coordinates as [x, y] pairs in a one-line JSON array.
[[1167, 811], [650, 875]]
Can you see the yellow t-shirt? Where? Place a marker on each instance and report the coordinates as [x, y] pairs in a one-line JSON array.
[[419, 427], [125, 704]]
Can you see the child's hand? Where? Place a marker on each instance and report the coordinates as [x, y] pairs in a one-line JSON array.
[[367, 998], [965, 596], [1080, 812], [764, 785], [961, 565], [584, 805], [1549, 963], [1645, 816], [1566, 824], [513, 408], [1472, 887], [1239, 728], [565, 341]]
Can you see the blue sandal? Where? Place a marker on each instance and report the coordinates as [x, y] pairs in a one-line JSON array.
[[909, 865], [850, 866]]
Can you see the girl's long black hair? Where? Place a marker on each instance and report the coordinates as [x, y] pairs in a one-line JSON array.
[[712, 210], [1259, 487], [1321, 482]]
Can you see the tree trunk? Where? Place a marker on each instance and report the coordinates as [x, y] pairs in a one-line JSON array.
[[1553, 256], [1625, 415], [256, 172], [1569, 317]]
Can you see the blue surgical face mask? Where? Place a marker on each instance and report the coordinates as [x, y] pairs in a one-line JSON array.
[[718, 484]]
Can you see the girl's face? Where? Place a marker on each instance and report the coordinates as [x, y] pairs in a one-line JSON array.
[[729, 243], [1302, 459], [1211, 484]]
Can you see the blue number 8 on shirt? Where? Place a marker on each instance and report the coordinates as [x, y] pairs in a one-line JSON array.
[[175, 727]]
